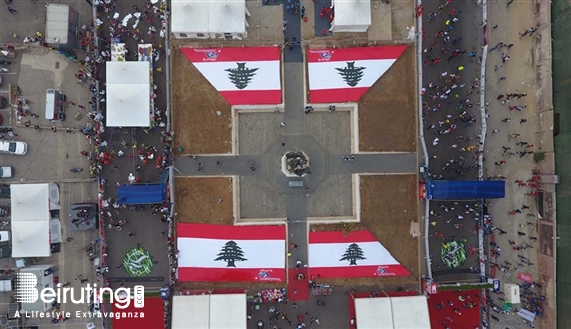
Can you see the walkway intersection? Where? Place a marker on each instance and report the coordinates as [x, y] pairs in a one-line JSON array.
[[264, 159]]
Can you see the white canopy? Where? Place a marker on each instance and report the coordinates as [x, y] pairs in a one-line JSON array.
[[409, 312], [128, 94], [30, 220], [209, 311], [351, 15], [199, 16]]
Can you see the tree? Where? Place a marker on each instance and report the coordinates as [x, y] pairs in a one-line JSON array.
[[230, 253], [353, 253], [241, 76], [351, 74]]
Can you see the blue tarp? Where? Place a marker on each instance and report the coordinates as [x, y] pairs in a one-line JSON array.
[[141, 193], [465, 190]]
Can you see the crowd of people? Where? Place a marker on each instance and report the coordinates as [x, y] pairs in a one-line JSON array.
[[451, 113], [137, 148]]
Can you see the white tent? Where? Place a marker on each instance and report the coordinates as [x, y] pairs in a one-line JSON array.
[[209, 19], [209, 311], [128, 94], [409, 312], [351, 15], [30, 220]]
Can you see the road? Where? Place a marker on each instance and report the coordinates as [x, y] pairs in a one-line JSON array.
[[445, 215]]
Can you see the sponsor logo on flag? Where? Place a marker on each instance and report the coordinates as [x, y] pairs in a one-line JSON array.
[[211, 55]]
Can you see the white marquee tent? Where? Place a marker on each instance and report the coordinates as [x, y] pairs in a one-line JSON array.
[[30, 220], [209, 311], [128, 94], [209, 19], [351, 15], [409, 312]]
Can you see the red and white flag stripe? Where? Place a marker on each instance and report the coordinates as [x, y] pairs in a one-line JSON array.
[[264, 83], [358, 254], [231, 253], [327, 82]]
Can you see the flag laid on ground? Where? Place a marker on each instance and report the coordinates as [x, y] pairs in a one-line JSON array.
[[218, 253], [242, 75], [345, 255], [344, 75]]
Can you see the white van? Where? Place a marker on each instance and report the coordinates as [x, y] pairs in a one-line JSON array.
[[55, 111]]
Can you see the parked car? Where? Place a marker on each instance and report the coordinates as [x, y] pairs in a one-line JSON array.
[[5, 251], [4, 191], [13, 147], [4, 236], [5, 172], [3, 101], [4, 211]]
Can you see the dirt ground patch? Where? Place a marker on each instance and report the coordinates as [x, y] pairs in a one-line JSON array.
[[387, 111], [388, 205], [197, 200], [202, 118]]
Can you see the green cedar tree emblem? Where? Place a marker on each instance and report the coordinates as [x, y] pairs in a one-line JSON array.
[[351, 74], [353, 253], [241, 76], [231, 253]]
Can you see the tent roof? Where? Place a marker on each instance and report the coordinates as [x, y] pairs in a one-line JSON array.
[[30, 202], [209, 311], [199, 16], [374, 313], [128, 94], [351, 13], [141, 193], [31, 239], [392, 312], [31, 219]]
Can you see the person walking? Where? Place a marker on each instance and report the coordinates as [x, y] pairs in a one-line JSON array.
[[11, 10]]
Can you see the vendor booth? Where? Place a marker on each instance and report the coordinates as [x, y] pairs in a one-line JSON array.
[[351, 15], [209, 311], [128, 94], [31, 219], [209, 19], [392, 312]]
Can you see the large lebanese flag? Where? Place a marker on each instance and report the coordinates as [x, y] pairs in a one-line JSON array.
[[244, 75], [218, 253], [344, 75], [357, 254]]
